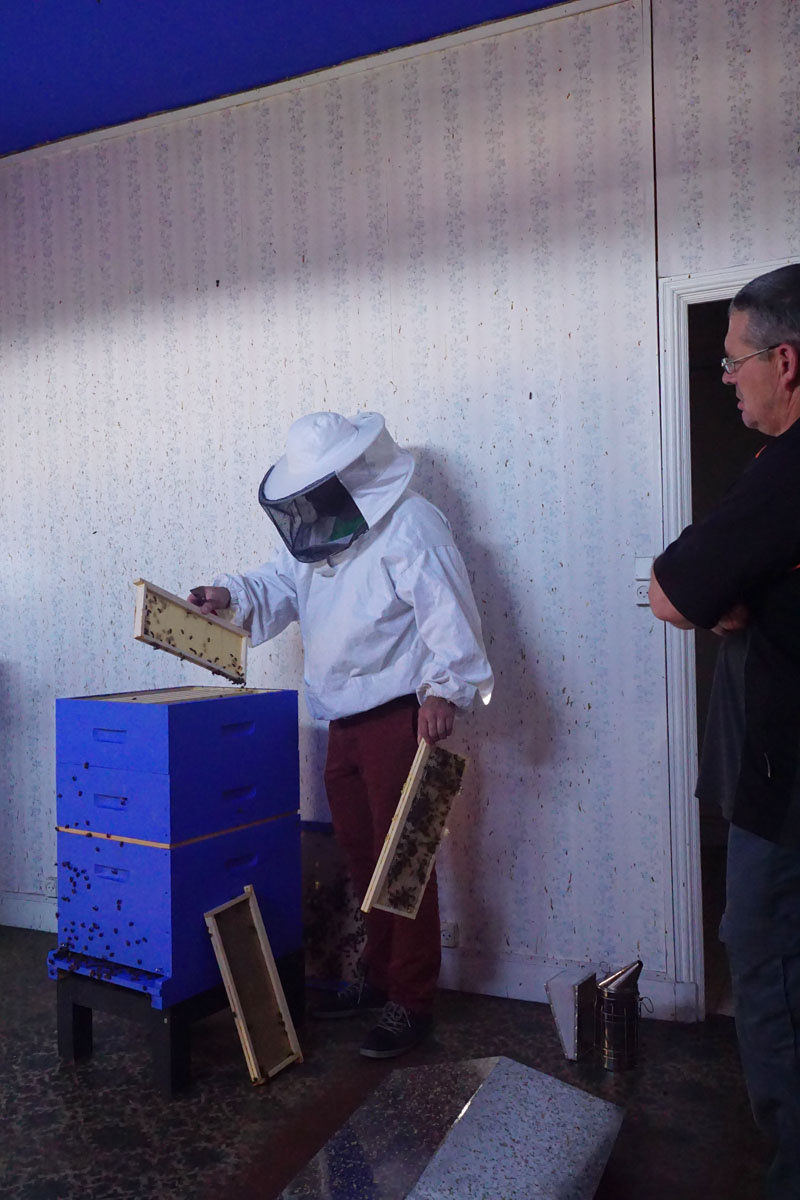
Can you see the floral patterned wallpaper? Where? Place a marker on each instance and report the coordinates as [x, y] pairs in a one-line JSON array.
[[463, 239], [727, 108]]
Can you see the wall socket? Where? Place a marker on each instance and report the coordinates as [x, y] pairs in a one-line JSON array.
[[50, 885], [449, 934]]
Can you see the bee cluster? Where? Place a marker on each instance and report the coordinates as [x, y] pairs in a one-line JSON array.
[[333, 927], [75, 936], [164, 626], [412, 862]]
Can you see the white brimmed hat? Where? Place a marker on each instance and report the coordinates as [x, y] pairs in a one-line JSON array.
[[318, 445]]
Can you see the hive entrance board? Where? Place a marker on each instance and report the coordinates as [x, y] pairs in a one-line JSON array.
[[172, 624], [402, 872], [254, 990]]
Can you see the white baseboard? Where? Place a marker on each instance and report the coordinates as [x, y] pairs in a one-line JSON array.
[[524, 979], [26, 910]]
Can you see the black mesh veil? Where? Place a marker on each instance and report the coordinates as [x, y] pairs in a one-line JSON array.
[[322, 520]]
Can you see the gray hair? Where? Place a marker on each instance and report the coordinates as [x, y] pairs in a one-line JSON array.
[[772, 304]]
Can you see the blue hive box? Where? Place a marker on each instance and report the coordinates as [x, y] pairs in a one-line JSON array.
[[169, 802], [176, 763]]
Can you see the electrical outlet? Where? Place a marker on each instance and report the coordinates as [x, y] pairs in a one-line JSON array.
[[643, 595], [50, 885], [449, 934]]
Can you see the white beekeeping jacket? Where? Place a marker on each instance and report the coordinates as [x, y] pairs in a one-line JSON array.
[[392, 615]]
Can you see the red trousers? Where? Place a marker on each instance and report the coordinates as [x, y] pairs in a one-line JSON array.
[[369, 757]]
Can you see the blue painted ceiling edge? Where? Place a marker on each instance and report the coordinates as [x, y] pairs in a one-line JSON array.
[[73, 66]]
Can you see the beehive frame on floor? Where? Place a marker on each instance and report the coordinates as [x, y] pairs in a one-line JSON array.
[[253, 986]]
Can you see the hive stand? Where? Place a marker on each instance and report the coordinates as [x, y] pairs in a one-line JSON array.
[[168, 1029]]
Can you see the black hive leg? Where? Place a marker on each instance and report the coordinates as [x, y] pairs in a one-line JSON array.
[[170, 1039], [74, 1024]]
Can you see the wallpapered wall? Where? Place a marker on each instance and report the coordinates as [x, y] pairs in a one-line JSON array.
[[465, 241], [727, 108]]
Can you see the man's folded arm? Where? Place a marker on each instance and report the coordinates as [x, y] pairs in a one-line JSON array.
[[663, 608]]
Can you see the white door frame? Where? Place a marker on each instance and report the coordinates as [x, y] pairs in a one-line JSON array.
[[675, 296]]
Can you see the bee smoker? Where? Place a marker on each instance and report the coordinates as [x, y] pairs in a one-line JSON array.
[[617, 1018]]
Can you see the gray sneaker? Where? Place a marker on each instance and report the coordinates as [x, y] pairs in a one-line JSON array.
[[356, 997], [397, 1031]]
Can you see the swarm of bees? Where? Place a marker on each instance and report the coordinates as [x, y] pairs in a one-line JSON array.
[[158, 632], [332, 908], [412, 862]]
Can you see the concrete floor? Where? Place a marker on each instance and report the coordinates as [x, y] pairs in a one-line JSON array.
[[99, 1131]]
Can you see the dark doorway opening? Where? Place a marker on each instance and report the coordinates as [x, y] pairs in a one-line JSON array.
[[721, 446]]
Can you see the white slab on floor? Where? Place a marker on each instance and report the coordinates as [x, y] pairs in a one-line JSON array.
[[467, 1130], [523, 1136]]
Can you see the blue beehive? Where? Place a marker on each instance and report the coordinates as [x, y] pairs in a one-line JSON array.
[[169, 802]]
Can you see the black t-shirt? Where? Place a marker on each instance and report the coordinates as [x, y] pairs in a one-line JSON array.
[[748, 550]]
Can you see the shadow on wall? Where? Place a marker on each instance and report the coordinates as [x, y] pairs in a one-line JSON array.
[[518, 715], [13, 731], [515, 730]]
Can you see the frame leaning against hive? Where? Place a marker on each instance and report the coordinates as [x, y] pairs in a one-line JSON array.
[[253, 986], [169, 623], [406, 861]]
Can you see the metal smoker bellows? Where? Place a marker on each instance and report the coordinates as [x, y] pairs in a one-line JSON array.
[[617, 1018]]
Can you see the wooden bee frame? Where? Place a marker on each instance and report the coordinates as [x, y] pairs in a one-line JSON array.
[[254, 990], [172, 624], [404, 867]]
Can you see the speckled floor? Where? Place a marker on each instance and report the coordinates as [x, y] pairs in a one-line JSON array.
[[99, 1131]]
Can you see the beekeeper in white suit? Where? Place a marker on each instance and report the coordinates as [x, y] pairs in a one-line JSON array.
[[392, 646]]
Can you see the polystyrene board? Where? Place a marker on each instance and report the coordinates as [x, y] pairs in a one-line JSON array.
[[523, 1136], [572, 1000]]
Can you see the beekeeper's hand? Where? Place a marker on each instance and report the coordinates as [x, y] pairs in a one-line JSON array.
[[209, 599], [436, 719]]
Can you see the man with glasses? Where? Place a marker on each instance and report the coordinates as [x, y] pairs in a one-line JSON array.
[[738, 572]]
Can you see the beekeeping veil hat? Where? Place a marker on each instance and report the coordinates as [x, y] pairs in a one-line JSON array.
[[338, 477]]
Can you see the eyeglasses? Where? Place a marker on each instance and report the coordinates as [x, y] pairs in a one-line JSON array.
[[729, 365]]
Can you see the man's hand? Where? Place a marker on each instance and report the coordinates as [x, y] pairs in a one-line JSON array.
[[733, 620], [737, 617], [436, 719], [209, 599], [663, 608]]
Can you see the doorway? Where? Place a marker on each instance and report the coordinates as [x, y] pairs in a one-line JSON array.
[[721, 446], [679, 296]]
